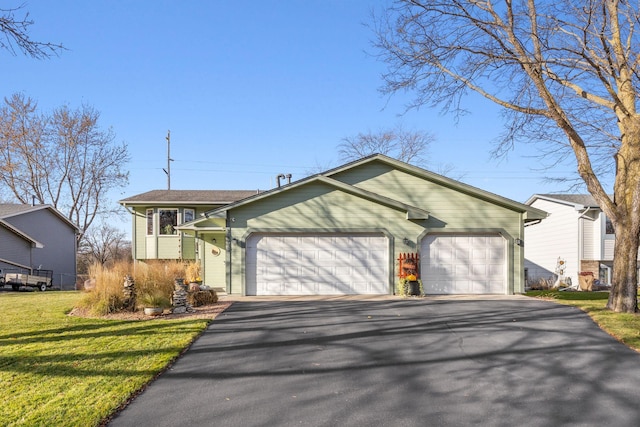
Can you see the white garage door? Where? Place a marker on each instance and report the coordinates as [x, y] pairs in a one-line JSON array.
[[464, 264], [324, 264]]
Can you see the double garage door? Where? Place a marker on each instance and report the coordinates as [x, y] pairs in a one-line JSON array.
[[342, 264], [464, 264], [317, 264]]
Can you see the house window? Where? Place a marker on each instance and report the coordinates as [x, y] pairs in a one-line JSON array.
[[168, 221], [188, 215], [149, 222], [609, 227]]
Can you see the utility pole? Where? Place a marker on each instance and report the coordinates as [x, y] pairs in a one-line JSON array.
[[169, 160]]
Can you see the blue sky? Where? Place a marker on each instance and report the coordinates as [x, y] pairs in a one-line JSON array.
[[248, 89]]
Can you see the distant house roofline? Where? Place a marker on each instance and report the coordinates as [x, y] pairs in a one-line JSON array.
[[8, 210], [191, 197], [578, 201]]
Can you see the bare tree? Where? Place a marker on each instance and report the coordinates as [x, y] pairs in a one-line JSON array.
[[104, 245], [567, 75], [15, 36], [64, 159], [406, 146]]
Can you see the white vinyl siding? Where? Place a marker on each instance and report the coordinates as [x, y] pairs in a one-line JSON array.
[[589, 247], [554, 237], [608, 249]]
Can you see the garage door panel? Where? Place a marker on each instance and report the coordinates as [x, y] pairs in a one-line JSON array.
[[343, 271], [479, 270], [462, 264], [317, 264], [462, 286]]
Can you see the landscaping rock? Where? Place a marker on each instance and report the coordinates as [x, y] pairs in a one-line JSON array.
[[129, 293], [179, 299]]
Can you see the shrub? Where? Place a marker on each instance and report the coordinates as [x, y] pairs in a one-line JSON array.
[[154, 280], [192, 272], [154, 285], [107, 296], [154, 299], [196, 299], [402, 288]]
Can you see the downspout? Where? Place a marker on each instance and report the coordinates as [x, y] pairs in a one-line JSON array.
[[227, 245], [581, 240], [580, 246], [133, 233]]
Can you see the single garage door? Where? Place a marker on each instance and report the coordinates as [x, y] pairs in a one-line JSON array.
[[464, 264], [317, 264]]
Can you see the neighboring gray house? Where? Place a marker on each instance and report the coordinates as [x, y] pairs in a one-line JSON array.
[[38, 236], [16, 248], [576, 231]]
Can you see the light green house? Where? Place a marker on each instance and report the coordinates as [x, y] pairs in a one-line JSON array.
[[342, 232], [156, 215]]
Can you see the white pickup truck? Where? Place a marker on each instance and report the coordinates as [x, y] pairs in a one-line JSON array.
[[39, 279]]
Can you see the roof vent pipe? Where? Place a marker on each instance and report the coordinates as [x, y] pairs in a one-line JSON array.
[[279, 177], [288, 176]]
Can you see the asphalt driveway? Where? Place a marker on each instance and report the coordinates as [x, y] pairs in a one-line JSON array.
[[410, 362]]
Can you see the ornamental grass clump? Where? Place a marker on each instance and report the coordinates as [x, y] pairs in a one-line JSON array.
[[153, 299], [192, 272], [154, 283], [107, 296], [157, 278]]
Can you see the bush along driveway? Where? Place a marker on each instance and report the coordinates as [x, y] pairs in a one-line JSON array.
[[410, 362]]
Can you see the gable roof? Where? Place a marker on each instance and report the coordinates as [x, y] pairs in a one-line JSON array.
[[530, 212], [413, 212], [192, 197], [20, 234], [8, 210], [578, 201]]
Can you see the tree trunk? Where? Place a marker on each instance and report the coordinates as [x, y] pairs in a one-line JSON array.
[[624, 289], [626, 214]]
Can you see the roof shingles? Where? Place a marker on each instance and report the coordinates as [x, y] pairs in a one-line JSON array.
[[189, 196]]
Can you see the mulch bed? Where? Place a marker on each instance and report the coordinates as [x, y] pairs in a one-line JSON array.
[[202, 312]]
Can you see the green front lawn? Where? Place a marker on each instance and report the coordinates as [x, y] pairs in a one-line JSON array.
[[623, 326], [62, 370]]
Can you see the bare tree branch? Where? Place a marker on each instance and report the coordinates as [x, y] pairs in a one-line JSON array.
[[103, 245], [407, 146], [64, 159], [566, 74], [15, 37]]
